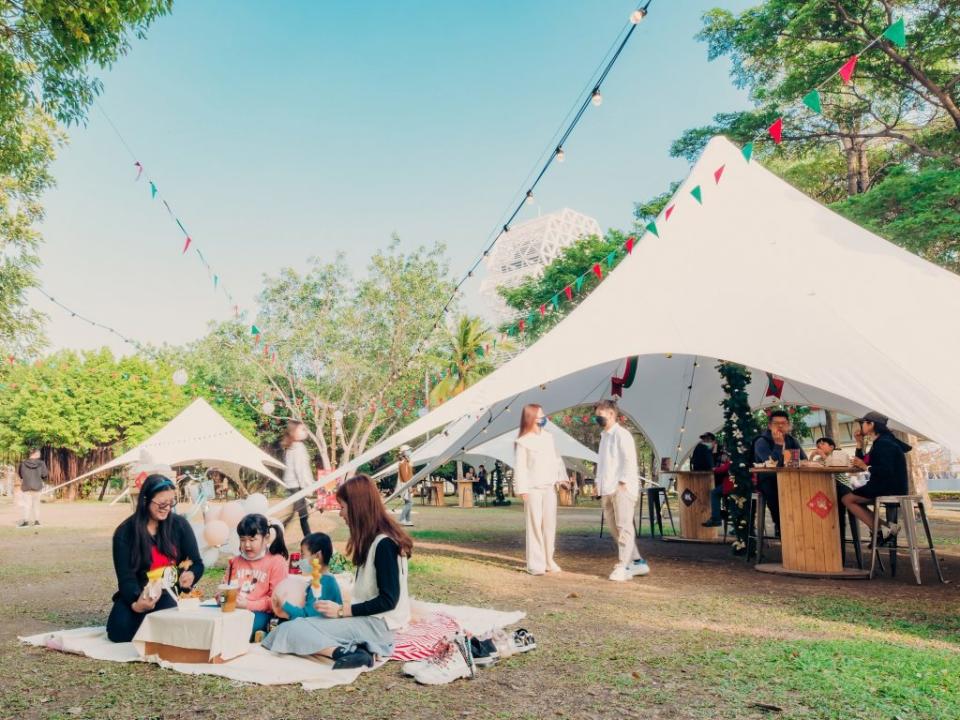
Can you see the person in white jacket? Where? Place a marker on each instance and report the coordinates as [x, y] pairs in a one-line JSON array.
[[297, 473], [618, 485], [538, 469]]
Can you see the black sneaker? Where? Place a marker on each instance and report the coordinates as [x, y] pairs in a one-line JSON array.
[[343, 660], [712, 523], [36, 523], [23, 523], [484, 652]]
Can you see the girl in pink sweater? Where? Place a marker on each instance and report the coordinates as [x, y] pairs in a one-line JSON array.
[[259, 568]]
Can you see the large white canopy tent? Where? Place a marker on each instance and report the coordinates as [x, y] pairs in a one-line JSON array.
[[758, 274], [197, 434], [489, 448]]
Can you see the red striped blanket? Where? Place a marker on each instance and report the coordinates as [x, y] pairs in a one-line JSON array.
[[418, 640]]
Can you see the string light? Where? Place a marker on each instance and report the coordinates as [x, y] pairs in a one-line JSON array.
[[637, 16], [529, 200], [559, 154], [596, 98]]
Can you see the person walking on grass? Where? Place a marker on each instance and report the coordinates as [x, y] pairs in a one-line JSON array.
[[618, 486], [537, 471], [33, 472], [405, 475], [297, 473]]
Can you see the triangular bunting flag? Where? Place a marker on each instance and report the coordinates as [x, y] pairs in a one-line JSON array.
[[846, 72], [669, 212], [568, 291], [697, 194], [598, 271], [774, 386], [628, 245], [652, 227], [479, 352], [812, 101], [216, 281], [153, 190], [139, 167], [579, 282], [522, 324], [747, 151], [718, 173], [512, 331], [186, 245], [556, 302], [611, 258], [776, 130], [896, 33], [254, 330], [543, 310]]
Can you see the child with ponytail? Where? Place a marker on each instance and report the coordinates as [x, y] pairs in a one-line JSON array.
[[260, 566]]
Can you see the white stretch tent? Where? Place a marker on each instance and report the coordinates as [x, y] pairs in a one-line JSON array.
[[498, 448], [758, 274], [198, 434]]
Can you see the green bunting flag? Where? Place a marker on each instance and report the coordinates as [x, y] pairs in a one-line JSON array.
[[812, 101], [254, 330], [611, 258], [479, 352], [747, 151], [556, 302], [579, 283], [652, 227], [897, 34], [697, 194], [216, 281], [153, 190]]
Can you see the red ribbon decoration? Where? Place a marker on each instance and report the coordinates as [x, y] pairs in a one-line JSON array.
[[617, 384]]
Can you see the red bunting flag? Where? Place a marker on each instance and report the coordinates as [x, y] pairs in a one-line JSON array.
[[139, 168], [718, 173], [629, 244], [846, 72], [776, 130], [186, 245], [568, 291], [669, 212], [598, 271], [543, 310], [522, 324]]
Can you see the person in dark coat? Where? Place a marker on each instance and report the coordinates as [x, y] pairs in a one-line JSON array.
[[33, 473], [887, 463], [702, 459], [154, 537], [771, 444]]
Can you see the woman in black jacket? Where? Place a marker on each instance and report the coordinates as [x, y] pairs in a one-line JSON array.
[[153, 537], [887, 463]]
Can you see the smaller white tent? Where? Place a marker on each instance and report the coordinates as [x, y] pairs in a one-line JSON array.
[[441, 448], [199, 434]]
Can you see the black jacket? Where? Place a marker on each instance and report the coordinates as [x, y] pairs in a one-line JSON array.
[[764, 448], [702, 460], [32, 473], [888, 464], [131, 581]]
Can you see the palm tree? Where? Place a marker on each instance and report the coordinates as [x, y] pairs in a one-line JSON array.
[[467, 348]]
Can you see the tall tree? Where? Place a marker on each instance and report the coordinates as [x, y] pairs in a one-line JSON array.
[[468, 347]]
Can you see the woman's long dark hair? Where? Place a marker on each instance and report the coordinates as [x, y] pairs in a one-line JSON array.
[[256, 524], [140, 554], [287, 440], [367, 517]]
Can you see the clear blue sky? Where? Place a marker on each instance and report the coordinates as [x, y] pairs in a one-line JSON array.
[[322, 126]]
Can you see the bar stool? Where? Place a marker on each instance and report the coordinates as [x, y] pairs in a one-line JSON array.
[[757, 532], [654, 494], [902, 506], [848, 519]]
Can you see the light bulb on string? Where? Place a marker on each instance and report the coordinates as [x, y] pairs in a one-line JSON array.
[[596, 98], [637, 16], [529, 199], [560, 155]]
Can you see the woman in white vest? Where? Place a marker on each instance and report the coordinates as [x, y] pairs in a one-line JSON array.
[[537, 471], [357, 634]]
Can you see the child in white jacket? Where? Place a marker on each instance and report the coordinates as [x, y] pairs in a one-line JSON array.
[[536, 472]]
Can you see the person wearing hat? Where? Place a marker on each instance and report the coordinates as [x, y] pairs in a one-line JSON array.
[[404, 474], [887, 463], [702, 459]]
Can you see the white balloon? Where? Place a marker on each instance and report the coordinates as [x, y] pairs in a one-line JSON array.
[[232, 546], [180, 377], [257, 503], [268, 408], [212, 512], [233, 513], [210, 557], [198, 533]]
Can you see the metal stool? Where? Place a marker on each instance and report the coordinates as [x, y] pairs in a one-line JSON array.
[[653, 493], [903, 506], [847, 518], [757, 532]]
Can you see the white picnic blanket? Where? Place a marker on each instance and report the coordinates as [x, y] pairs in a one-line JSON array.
[[259, 665]]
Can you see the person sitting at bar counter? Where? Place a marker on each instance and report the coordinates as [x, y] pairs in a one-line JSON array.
[[771, 444], [825, 448], [702, 458], [887, 463]]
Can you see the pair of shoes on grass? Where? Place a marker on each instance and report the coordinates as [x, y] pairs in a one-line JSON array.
[[638, 568]]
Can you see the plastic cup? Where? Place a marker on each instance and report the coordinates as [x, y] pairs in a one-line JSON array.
[[229, 594]]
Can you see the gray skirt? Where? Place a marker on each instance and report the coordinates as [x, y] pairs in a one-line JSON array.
[[308, 636]]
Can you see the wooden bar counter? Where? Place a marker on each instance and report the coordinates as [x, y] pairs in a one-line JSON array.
[[693, 489]]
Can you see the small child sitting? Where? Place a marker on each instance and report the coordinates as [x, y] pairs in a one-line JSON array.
[[260, 566], [315, 545]]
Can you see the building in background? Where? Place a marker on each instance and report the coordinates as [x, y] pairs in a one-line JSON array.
[[526, 250]]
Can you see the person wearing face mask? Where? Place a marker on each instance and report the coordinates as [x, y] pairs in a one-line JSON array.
[[259, 568], [153, 537], [537, 470], [618, 485], [702, 458], [315, 545], [297, 473]]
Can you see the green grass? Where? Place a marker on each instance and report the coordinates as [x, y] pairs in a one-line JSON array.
[[827, 680]]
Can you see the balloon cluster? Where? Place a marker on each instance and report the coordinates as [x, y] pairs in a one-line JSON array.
[[217, 531]]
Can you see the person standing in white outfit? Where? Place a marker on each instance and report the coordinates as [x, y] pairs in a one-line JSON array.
[[537, 471], [618, 485]]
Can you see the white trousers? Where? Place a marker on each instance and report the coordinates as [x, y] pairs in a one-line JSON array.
[[540, 508], [31, 506], [618, 509]]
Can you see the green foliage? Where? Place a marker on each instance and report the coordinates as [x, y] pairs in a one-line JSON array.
[[82, 401], [645, 212], [739, 429], [919, 211], [573, 261], [465, 346]]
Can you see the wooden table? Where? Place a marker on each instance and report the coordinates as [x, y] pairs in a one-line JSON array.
[[809, 523], [694, 488], [200, 635], [465, 493], [566, 496], [436, 494]]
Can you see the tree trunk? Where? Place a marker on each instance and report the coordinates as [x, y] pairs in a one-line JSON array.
[[832, 425], [850, 156], [863, 168]]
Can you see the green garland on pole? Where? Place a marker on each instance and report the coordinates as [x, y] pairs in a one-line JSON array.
[[739, 429]]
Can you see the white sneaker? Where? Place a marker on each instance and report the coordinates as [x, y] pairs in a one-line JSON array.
[[620, 574], [638, 568], [444, 668], [412, 667], [553, 568]]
